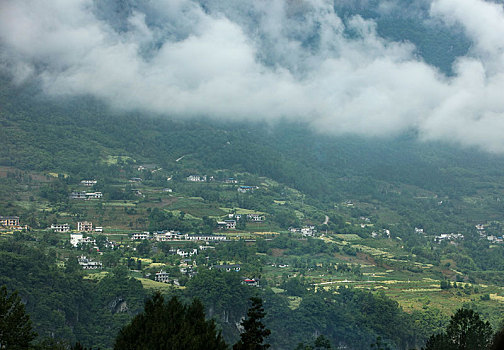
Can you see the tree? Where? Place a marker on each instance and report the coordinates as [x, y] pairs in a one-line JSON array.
[[254, 330], [466, 331], [380, 345], [170, 325], [15, 325]]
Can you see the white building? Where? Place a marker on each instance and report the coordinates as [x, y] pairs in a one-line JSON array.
[[448, 237], [250, 217], [186, 253], [206, 238], [197, 178], [84, 226], [227, 268], [75, 239], [162, 276], [94, 195], [169, 236], [60, 227], [245, 189], [227, 224], [140, 236], [89, 183], [306, 231], [88, 264]]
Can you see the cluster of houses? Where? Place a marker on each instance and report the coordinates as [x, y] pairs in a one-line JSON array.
[[448, 237], [82, 226], [491, 238], [78, 238], [383, 232], [204, 178], [249, 217], [89, 264], [164, 236], [11, 223], [230, 224], [306, 231], [164, 277], [458, 236]]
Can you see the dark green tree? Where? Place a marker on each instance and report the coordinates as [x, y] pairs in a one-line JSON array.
[[322, 342], [255, 331], [498, 340], [170, 325], [466, 331], [15, 325], [380, 345]]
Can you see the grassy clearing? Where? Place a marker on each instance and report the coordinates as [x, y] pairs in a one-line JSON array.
[[157, 286], [96, 276], [195, 207], [294, 302], [111, 160], [348, 237]]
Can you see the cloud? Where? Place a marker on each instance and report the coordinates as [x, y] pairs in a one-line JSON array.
[[263, 61]]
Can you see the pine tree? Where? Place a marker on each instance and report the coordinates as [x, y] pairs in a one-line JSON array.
[[254, 330], [466, 331], [15, 325], [170, 325]]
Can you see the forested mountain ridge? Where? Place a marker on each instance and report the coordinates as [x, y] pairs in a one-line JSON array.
[[340, 160], [364, 186]]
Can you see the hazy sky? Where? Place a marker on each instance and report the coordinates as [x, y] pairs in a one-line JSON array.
[[264, 60]]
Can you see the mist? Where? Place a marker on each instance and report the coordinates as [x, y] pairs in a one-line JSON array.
[[264, 61]]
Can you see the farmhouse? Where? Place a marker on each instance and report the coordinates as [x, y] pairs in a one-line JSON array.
[[186, 253], [250, 217], [163, 236], [78, 238], [140, 235], [60, 227], [227, 224], [162, 276], [89, 183], [206, 238], [227, 268], [251, 282], [84, 226], [85, 195], [448, 237], [94, 195], [307, 231], [245, 189], [88, 264], [197, 178], [9, 221]]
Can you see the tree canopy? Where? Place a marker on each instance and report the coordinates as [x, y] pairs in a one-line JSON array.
[[255, 331], [15, 325], [170, 325], [466, 331]]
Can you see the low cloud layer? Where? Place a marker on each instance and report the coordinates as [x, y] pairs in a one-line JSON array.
[[263, 60]]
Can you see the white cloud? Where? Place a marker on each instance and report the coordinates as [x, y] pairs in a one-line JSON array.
[[263, 60]]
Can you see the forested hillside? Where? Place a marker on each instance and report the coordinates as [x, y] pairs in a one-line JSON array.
[[339, 163]]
